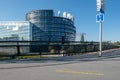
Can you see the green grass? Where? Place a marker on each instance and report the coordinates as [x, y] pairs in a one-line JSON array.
[[4, 53], [29, 57]]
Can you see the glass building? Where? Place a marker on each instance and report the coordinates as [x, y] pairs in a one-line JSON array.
[[48, 27], [40, 25], [15, 30]]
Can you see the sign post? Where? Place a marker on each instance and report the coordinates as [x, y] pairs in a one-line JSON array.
[[100, 53], [100, 19]]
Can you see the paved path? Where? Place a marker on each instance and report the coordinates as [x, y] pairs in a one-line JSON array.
[[84, 67]]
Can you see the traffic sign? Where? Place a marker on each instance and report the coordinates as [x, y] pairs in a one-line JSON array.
[[100, 17], [100, 5]]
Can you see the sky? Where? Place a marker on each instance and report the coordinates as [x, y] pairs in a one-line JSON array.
[[84, 12]]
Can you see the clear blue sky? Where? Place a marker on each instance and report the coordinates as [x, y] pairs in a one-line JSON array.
[[84, 12]]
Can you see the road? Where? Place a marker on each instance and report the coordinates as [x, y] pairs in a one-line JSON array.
[[83, 67]]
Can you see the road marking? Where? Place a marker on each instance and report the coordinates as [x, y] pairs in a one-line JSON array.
[[76, 72]]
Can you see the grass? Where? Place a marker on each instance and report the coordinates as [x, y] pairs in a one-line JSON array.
[[29, 57], [4, 53], [20, 57]]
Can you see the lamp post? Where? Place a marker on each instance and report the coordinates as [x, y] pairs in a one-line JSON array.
[[100, 19]]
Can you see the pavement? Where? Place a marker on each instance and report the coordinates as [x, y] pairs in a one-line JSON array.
[[81, 67]]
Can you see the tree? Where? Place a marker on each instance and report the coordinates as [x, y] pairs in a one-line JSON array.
[[117, 43], [82, 37]]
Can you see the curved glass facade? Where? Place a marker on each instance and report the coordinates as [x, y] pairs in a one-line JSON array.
[[47, 27]]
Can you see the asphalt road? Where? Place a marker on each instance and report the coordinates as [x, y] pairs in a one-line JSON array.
[[84, 67]]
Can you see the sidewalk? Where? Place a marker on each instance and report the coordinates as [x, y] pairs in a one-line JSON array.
[[51, 61]]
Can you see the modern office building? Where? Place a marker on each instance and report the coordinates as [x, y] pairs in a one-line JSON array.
[[15, 31], [40, 25], [48, 27]]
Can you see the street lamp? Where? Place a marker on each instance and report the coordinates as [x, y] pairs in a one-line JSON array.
[[100, 19]]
